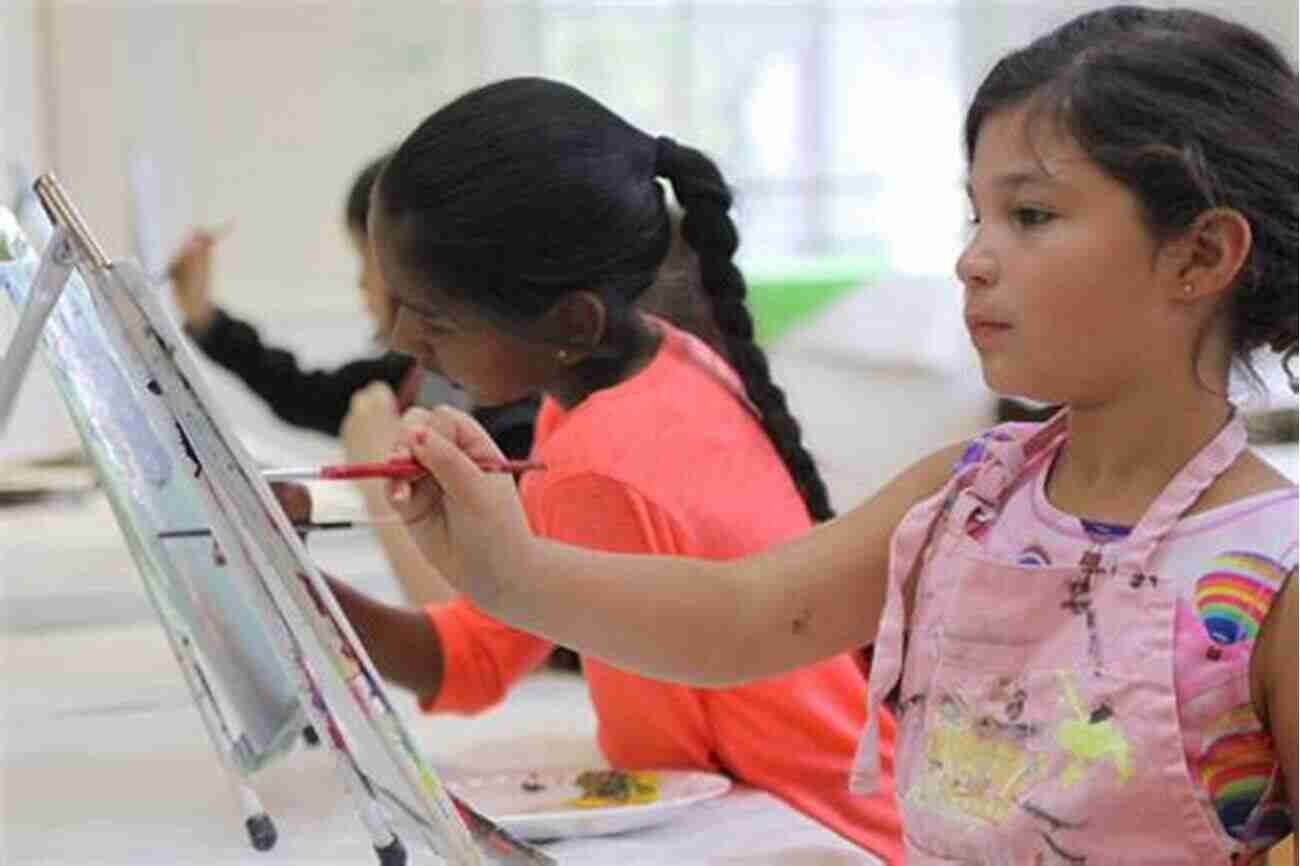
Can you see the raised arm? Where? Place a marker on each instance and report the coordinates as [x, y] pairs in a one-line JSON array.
[[190, 270], [698, 621]]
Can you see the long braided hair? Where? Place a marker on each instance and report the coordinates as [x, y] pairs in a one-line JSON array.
[[707, 226]]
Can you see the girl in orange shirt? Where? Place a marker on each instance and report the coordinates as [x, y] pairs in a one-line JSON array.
[[517, 229]]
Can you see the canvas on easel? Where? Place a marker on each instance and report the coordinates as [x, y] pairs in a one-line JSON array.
[[264, 648]]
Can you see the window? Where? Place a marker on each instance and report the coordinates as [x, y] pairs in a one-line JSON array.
[[808, 108]]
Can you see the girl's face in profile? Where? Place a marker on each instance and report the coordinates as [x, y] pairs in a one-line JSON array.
[[454, 340], [1065, 300]]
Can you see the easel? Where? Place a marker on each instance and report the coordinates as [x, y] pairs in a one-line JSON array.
[[263, 647]]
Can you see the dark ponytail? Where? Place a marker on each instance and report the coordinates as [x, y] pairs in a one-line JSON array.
[[708, 228]]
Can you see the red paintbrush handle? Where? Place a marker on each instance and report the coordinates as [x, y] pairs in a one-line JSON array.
[[407, 468], [397, 467]]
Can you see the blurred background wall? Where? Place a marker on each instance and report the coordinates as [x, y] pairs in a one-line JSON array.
[[838, 122]]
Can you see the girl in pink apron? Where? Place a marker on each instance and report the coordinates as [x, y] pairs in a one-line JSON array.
[[1084, 702], [1086, 627]]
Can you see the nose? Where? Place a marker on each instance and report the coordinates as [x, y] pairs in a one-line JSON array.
[[976, 266], [402, 332]]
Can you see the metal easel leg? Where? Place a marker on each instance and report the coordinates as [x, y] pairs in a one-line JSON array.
[[261, 829], [47, 286], [387, 844]]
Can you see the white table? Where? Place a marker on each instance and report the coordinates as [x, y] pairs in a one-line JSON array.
[[105, 761]]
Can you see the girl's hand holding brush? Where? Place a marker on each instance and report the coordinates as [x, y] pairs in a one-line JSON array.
[[466, 519]]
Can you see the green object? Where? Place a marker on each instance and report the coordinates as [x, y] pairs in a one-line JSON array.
[[781, 294]]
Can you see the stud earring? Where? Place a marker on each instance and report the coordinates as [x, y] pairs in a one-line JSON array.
[[1187, 288], [562, 355]]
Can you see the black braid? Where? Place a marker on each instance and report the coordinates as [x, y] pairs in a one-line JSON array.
[[707, 227]]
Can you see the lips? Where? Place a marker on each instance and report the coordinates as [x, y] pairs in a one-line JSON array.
[[984, 331]]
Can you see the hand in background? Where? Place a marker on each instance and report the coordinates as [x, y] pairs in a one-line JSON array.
[[190, 270], [294, 498], [373, 424], [371, 430]]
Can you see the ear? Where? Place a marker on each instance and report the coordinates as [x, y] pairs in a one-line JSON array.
[[1211, 253], [576, 320]]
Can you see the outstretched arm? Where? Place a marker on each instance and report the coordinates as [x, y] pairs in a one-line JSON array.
[[698, 621]]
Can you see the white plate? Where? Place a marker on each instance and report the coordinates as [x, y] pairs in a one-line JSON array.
[[546, 813]]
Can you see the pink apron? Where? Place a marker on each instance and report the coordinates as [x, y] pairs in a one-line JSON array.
[[1037, 716]]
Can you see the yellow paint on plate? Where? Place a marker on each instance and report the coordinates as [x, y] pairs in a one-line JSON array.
[[602, 788]]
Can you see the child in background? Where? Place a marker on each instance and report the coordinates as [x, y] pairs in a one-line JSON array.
[[517, 229], [359, 401], [1087, 626]]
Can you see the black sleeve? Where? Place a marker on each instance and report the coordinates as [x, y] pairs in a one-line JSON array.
[[510, 426], [317, 399]]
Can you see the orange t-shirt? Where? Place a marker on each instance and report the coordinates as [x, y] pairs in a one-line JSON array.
[[672, 461]]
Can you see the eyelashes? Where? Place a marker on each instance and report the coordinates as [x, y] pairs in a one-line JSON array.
[[1022, 217], [1031, 217]]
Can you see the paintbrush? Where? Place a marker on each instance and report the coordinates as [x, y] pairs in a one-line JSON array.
[[304, 526], [403, 468]]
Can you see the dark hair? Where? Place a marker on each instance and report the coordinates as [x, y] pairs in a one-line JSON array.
[[1191, 112], [524, 190], [357, 209]]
